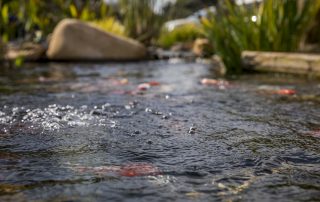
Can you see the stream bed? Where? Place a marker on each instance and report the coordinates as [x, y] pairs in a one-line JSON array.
[[150, 131]]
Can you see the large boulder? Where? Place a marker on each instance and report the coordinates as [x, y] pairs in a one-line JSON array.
[[76, 40]]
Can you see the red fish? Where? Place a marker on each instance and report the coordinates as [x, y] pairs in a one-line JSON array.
[[285, 92], [130, 170], [100, 170], [123, 92], [315, 133], [144, 86], [277, 90], [222, 84], [147, 85], [140, 169], [154, 83]]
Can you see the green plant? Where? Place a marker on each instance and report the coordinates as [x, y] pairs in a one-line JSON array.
[[275, 25], [110, 24], [24, 18], [140, 19], [5, 27], [184, 33]]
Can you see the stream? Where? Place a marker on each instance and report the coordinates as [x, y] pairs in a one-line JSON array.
[[151, 131]]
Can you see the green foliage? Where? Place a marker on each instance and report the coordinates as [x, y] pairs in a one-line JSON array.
[[35, 19], [184, 33], [140, 20], [275, 25], [18, 62], [184, 8], [110, 24], [5, 28], [24, 18]]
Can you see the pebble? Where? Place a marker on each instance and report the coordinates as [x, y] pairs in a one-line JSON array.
[[158, 113], [148, 110], [192, 130], [165, 117], [136, 132]]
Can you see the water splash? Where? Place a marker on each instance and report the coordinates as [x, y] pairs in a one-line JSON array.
[[56, 117]]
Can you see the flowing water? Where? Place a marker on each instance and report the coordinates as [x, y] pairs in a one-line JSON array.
[[85, 132]]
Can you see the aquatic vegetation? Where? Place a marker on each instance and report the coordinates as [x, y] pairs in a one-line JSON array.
[[35, 19], [21, 19], [182, 34], [275, 25], [5, 27], [140, 19]]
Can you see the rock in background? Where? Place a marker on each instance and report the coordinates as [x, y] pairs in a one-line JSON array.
[[76, 40], [295, 63]]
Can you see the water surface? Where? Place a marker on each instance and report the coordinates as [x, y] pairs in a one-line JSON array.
[[65, 128]]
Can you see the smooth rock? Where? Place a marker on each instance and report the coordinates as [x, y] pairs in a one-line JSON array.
[[219, 66], [77, 40], [296, 63], [201, 46]]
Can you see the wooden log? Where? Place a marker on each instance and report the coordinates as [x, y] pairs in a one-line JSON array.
[[296, 63]]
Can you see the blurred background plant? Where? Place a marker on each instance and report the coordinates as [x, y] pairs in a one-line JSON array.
[[182, 34], [34, 19], [274, 25], [110, 24], [185, 8], [141, 19]]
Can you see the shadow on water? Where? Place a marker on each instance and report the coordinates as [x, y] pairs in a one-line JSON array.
[[88, 132]]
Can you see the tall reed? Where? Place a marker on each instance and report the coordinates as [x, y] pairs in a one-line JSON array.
[[181, 34], [140, 19], [21, 18], [274, 25]]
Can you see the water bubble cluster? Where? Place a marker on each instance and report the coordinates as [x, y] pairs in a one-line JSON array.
[[56, 117]]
